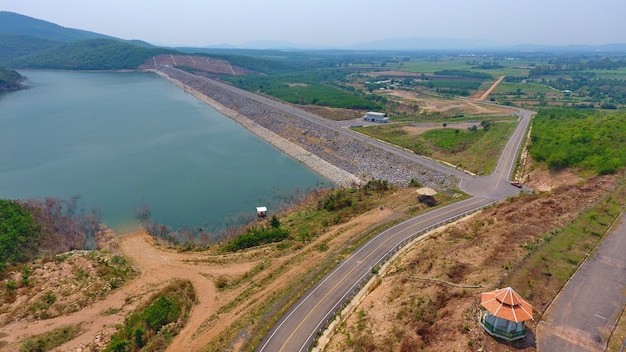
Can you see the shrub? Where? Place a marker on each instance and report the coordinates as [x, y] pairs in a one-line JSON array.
[[256, 236], [149, 326], [566, 138]]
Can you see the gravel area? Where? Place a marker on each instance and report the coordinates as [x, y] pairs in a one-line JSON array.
[[341, 159]]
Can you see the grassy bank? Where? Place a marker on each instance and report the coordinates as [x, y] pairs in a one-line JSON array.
[[474, 149]]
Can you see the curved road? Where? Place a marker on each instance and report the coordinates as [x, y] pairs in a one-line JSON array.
[[298, 327]]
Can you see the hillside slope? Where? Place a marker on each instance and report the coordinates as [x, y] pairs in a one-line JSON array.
[[16, 24]]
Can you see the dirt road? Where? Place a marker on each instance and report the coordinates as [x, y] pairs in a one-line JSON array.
[[493, 86], [157, 266]]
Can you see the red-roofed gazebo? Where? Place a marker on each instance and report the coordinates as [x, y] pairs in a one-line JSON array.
[[504, 314]]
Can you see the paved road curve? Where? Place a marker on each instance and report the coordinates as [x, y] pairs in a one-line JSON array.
[[298, 328]]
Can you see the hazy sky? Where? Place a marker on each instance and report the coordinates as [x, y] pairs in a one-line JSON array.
[[337, 22]]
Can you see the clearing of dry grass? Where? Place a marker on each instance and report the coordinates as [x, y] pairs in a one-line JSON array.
[[429, 104], [231, 288], [407, 312]]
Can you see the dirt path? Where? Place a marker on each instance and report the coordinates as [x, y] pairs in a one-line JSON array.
[[157, 267], [493, 86]]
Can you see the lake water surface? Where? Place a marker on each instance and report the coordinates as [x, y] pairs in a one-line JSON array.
[[125, 140]]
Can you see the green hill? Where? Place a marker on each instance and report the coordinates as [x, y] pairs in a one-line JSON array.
[[9, 79], [26, 42], [15, 24], [92, 54], [14, 46]]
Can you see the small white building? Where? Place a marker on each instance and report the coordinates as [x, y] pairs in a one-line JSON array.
[[261, 212], [378, 117]]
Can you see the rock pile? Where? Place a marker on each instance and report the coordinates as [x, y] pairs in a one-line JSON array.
[[344, 159]]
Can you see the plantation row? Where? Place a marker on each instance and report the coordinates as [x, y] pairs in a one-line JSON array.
[[310, 88]]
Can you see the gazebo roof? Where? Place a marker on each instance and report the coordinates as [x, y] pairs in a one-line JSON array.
[[507, 304], [427, 191]]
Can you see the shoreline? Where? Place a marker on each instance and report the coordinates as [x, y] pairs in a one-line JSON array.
[[327, 170]]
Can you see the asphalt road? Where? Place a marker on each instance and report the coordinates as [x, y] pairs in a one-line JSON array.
[[495, 186], [298, 328], [581, 317]]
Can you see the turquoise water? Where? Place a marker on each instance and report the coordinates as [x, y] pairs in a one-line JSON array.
[[124, 140]]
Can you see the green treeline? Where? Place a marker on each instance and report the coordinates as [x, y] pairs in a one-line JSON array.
[[463, 73], [32, 228], [9, 79], [589, 140], [19, 234], [256, 236], [92, 54]]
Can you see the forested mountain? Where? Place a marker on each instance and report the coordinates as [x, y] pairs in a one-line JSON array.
[[92, 54], [9, 79], [14, 46], [26, 42], [15, 24]]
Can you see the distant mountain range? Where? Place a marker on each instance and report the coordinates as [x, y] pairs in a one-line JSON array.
[[26, 42], [425, 44]]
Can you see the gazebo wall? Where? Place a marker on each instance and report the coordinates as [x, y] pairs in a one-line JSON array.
[[506, 329]]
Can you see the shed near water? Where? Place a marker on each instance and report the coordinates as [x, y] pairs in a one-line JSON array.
[[261, 212]]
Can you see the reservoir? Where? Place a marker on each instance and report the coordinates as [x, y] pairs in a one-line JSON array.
[[122, 141]]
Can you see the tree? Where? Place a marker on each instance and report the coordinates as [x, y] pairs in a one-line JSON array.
[[485, 124], [274, 222]]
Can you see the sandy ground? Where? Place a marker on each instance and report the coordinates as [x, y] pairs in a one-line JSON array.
[[158, 265], [430, 104]]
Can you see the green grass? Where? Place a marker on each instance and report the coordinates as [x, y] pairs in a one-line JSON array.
[[52, 339], [612, 74], [317, 94], [428, 65], [431, 66], [313, 87], [475, 151]]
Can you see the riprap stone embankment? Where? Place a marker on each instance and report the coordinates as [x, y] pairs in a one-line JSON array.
[[341, 159]]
